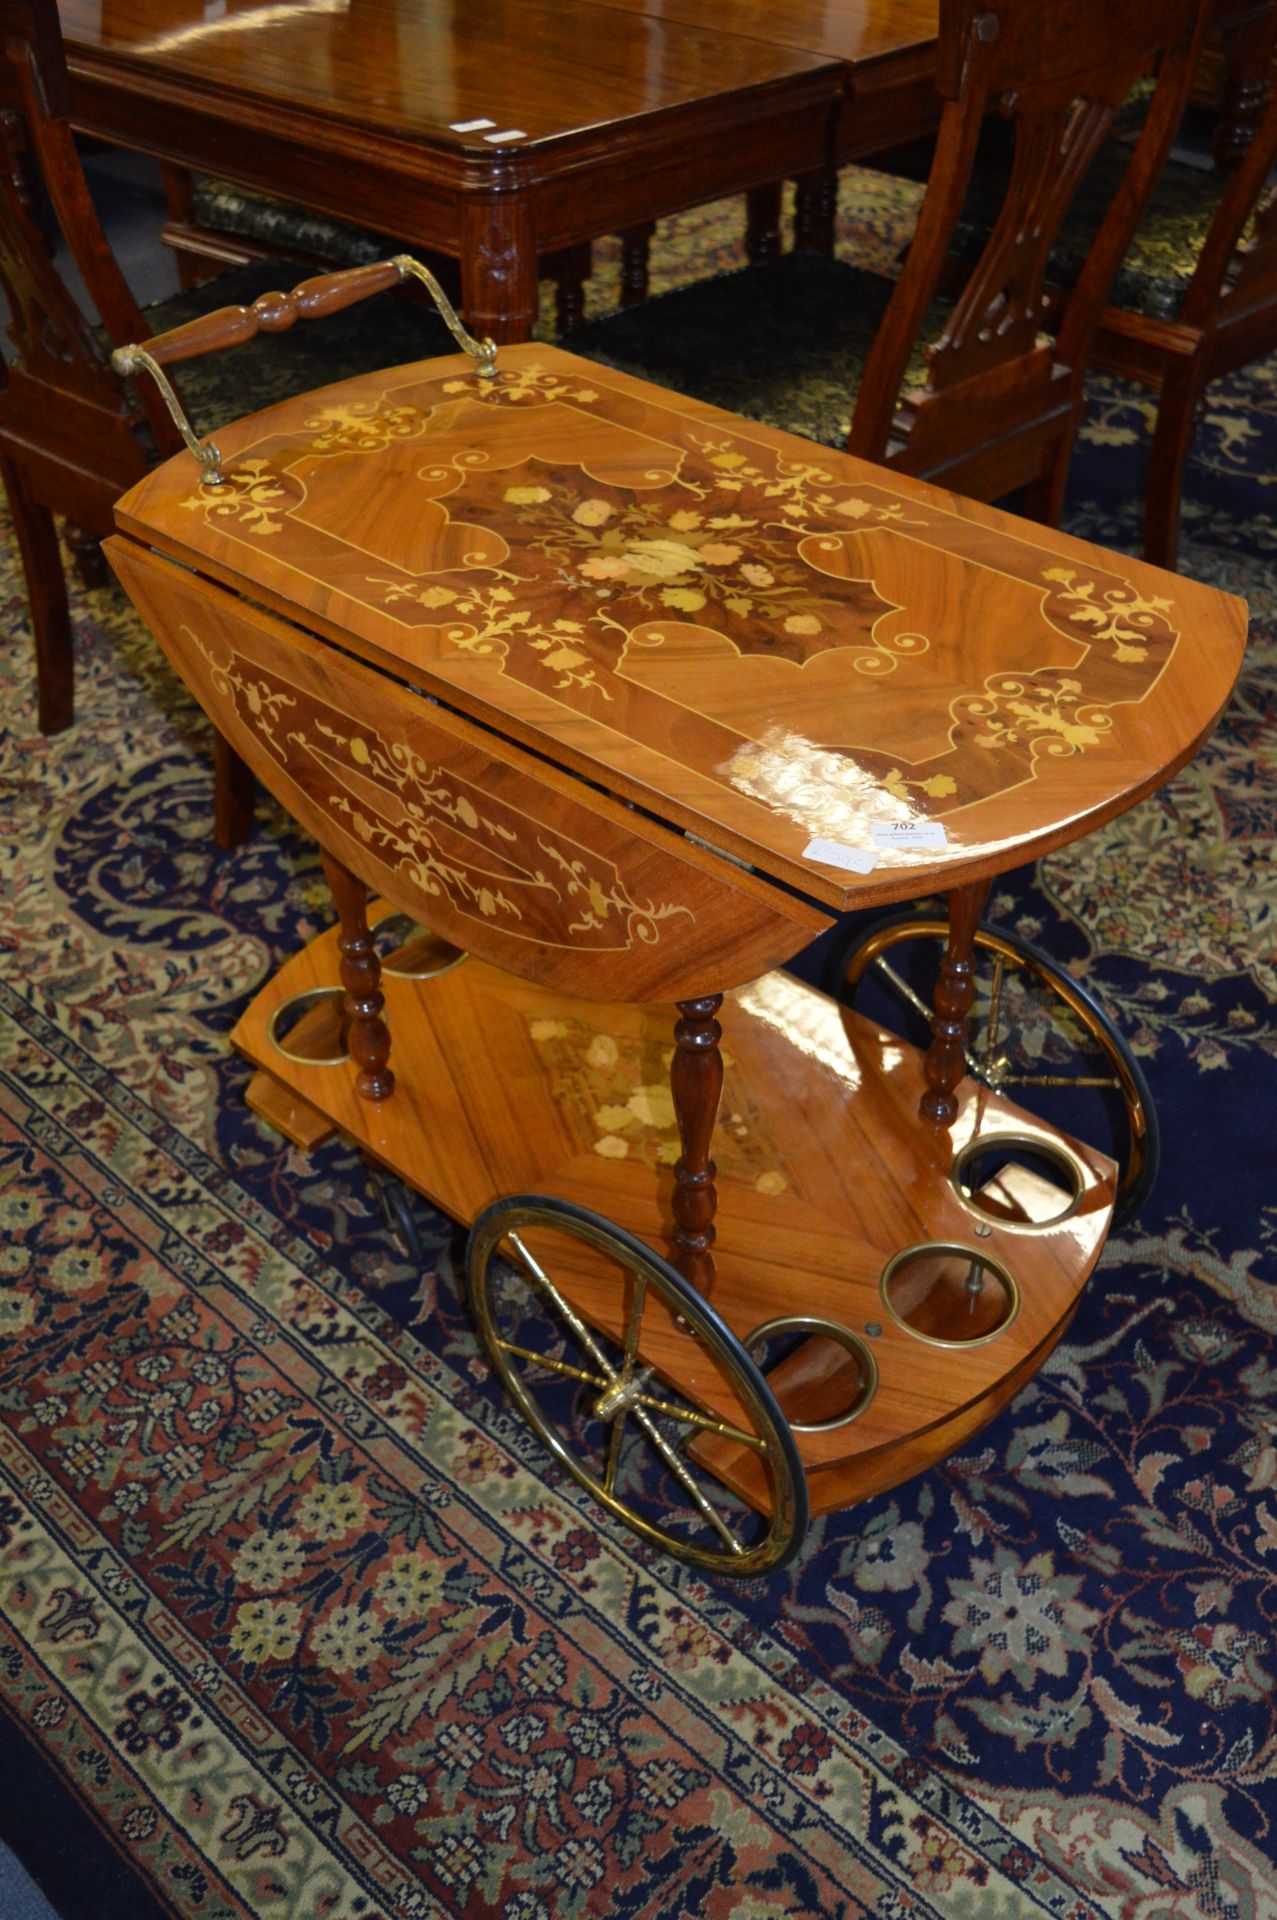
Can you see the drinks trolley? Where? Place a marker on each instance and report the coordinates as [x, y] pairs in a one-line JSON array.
[[601, 705]]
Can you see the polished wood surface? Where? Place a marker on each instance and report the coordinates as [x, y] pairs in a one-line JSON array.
[[822, 1173], [762, 642], [593, 121], [887, 48]]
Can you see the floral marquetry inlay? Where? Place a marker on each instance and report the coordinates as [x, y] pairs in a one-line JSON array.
[[614, 1091], [446, 835]]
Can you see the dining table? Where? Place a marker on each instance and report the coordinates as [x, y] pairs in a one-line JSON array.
[[499, 132]]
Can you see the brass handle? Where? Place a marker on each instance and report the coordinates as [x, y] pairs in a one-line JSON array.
[[313, 299]]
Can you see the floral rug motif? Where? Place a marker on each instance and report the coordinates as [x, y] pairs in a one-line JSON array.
[[302, 1621]]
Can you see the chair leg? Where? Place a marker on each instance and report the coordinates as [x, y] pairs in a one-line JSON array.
[[1172, 441], [1043, 498], [234, 790], [86, 553], [47, 598]]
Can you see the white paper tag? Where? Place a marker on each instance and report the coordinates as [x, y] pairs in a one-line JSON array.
[[908, 833], [470, 126], [835, 853]]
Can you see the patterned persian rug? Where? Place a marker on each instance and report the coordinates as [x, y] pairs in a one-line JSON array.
[[297, 1624]]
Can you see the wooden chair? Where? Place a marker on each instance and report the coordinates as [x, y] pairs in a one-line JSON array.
[[1197, 298], [990, 405], [72, 436]]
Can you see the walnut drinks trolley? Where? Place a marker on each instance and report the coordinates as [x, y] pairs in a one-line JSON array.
[[608, 703]]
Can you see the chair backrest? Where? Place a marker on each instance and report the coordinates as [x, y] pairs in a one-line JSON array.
[[1236, 271], [1059, 73], [62, 363]]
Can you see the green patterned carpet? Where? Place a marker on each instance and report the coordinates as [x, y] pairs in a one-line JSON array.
[[292, 1608]]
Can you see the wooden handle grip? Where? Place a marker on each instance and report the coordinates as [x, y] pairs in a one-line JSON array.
[[272, 312]]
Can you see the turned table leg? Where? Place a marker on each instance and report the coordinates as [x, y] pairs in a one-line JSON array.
[[762, 222], [945, 1061], [361, 977], [635, 257], [696, 1082], [816, 211]]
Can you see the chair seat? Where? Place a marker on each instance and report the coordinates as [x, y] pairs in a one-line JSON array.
[[784, 341], [282, 226], [387, 331]]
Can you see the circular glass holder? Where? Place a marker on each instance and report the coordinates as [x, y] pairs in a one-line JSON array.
[[1018, 1181], [948, 1294], [408, 951], [310, 1028], [820, 1328]]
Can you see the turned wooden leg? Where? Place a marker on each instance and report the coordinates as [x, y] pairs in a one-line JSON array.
[[635, 250], [762, 221], [361, 977], [815, 210], [569, 271], [47, 597], [945, 1062], [234, 794], [696, 1082]]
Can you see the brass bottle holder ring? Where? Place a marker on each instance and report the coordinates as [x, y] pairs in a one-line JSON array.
[[978, 1262], [1048, 1151], [297, 1006], [445, 955], [841, 1336]]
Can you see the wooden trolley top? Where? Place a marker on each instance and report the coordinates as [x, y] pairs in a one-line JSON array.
[[861, 685]]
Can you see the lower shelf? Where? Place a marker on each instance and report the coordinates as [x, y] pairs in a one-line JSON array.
[[825, 1174]]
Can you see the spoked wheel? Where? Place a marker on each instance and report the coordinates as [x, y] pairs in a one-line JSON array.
[[605, 1403], [1035, 1034]]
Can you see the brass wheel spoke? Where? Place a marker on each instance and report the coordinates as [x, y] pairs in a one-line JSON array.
[[554, 1366], [635, 1320], [568, 1312], [681, 1473], [995, 1009], [613, 1454], [1060, 1080], [690, 1417]]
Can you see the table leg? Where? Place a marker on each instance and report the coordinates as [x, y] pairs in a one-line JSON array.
[[499, 266], [635, 254], [361, 977], [762, 221], [945, 1062], [1244, 93], [696, 1082], [815, 211], [569, 271]]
